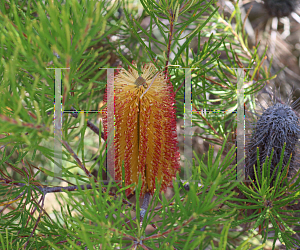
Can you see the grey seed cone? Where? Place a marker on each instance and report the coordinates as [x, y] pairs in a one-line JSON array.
[[277, 125]]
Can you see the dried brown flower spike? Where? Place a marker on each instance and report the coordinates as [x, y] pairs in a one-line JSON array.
[[280, 8], [278, 124]]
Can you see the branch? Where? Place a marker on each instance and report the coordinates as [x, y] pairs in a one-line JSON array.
[[144, 207], [170, 230], [78, 161], [23, 124], [46, 189], [93, 127], [169, 43], [37, 221]]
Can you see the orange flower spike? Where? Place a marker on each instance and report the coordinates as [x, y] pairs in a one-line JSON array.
[[145, 128]]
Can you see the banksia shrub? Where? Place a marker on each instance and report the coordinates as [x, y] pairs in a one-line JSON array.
[[278, 124], [145, 128]]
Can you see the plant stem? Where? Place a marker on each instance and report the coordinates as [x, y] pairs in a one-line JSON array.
[[144, 207], [169, 43]]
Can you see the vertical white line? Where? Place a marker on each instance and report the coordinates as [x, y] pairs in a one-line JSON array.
[[110, 124], [58, 124], [240, 124], [188, 152]]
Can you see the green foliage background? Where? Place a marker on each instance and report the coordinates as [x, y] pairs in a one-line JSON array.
[[85, 36]]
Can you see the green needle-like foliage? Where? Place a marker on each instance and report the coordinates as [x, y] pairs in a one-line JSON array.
[[83, 38]]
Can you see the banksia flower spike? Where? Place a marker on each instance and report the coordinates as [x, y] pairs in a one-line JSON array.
[[145, 128]]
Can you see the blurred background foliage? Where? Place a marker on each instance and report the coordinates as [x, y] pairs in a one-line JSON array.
[[213, 38]]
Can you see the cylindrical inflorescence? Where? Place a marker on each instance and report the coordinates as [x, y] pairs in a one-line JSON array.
[[278, 124]]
